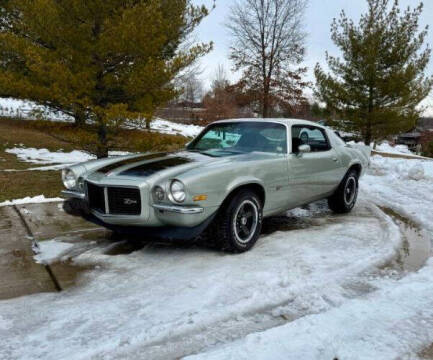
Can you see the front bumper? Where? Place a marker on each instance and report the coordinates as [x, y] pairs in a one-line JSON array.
[[188, 210], [69, 194], [185, 210], [79, 207], [159, 220]]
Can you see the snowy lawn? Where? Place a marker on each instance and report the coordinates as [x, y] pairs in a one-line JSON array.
[[59, 158], [26, 110], [169, 127]]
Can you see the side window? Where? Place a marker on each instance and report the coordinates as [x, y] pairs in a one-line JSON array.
[[309, 135]]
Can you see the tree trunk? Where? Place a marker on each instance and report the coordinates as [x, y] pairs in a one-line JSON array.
[[368, 135], [265, 107], [148, 121], [79, 118], [102, 149]]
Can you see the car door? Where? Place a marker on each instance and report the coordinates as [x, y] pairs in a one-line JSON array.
[[312, 175]]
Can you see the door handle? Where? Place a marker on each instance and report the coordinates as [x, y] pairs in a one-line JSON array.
[[334, 159]]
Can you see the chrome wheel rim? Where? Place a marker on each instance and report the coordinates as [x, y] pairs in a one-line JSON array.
[[350, 191], [245, 221]]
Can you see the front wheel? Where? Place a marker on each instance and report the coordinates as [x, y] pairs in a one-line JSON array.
[[239, 223], [344, 199]]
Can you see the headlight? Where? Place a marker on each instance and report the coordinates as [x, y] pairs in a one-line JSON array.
[[158, 193], [177, 190], [69, 178]]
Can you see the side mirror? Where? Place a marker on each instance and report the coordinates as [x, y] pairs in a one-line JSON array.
[[304, 149]]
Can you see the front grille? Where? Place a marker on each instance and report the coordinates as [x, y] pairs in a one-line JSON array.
[[124, 201], [96, 197], [121, 200]]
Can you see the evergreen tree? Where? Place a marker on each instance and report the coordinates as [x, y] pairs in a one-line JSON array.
[[375, 89], [101, 60]]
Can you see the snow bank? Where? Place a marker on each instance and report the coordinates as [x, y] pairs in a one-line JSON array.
[[386, 148], [397, 149], [389, 183], [413, 169], [50, 251], [30, 200]]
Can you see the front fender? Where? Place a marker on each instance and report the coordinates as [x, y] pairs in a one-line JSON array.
[[242, 181]]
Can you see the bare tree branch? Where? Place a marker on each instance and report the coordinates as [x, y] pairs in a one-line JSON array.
[[268, 44]]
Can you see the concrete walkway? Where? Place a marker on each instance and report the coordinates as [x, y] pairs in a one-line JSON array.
[[20, 275]]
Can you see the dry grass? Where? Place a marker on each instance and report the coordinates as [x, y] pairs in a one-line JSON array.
[[427, 353], [60, 136]]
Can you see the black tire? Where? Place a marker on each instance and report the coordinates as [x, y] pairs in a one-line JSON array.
[[73, 207], [344, 198], [238, 223]]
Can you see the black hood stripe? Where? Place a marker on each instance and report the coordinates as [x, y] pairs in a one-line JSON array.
[[153, 167], [109, 168]]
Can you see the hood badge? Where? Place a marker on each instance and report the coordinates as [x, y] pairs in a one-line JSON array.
[[129, 202]]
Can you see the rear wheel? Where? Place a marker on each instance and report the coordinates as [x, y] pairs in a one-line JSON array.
[[344, 199], [238, 224]]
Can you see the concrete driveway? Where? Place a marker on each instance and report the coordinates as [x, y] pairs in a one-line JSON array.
[[21, 227]]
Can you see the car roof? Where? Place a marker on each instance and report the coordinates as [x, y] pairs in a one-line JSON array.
[[288, 122]]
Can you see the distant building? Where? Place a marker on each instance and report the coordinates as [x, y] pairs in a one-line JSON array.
[[425, 124], [183, 112], [412, 139]]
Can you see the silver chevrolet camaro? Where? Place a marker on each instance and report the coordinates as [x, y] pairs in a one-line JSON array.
[[222, 184]]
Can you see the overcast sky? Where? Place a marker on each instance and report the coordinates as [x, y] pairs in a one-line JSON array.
[[318, 19]]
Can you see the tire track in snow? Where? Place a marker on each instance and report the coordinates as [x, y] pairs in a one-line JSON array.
[[312, 298]]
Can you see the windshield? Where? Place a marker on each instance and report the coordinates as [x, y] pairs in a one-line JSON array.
[[241, 137]]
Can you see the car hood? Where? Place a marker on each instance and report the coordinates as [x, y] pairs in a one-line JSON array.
[[146, 166]]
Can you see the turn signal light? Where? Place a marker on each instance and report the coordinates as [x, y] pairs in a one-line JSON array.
[[200, 198]]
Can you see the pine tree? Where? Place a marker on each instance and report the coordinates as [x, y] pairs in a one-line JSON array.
[[100, 60], [376, 88]]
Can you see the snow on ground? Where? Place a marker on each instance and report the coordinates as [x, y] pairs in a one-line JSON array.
[[386, 148], [168, 127], [44, 156], [396, 149], [30, 200], [394, 322], [404, 185], [139, 305], [156, 294], [62, 159], [47, 252], [29, 111]]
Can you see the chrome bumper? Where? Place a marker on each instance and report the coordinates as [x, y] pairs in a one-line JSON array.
[[73, 195], [179, 209]]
